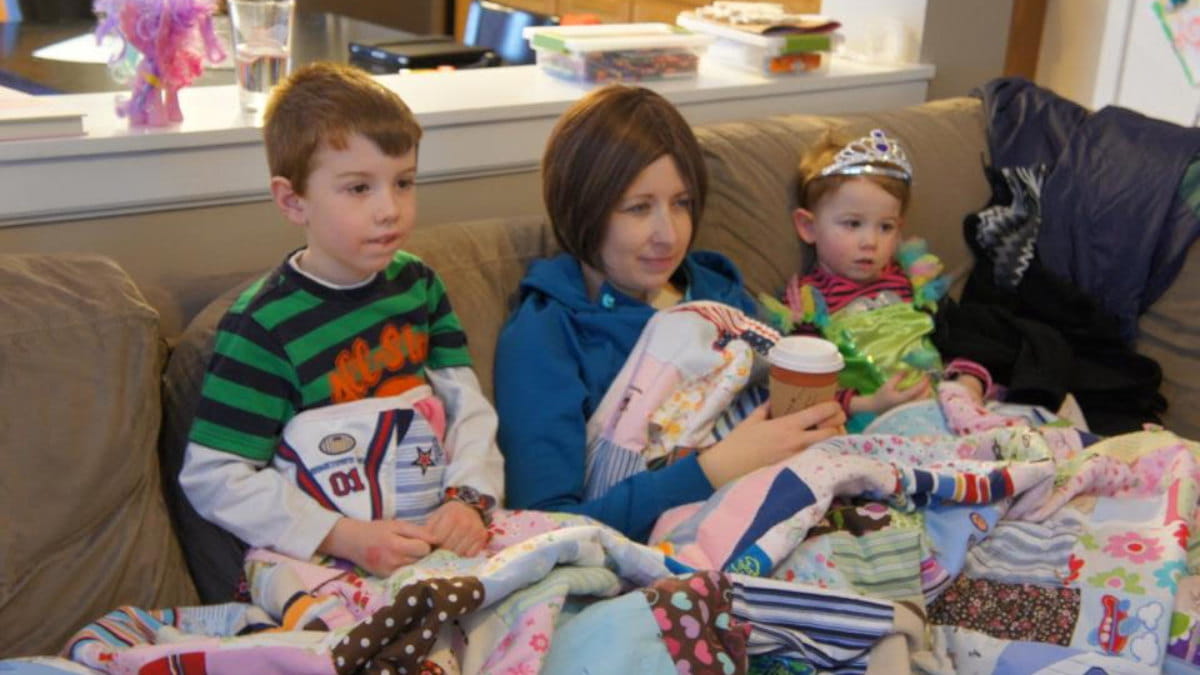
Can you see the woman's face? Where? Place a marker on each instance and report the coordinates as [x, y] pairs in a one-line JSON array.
[[648, 232]]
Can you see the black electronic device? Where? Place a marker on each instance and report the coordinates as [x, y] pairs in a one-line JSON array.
[[419, 53]]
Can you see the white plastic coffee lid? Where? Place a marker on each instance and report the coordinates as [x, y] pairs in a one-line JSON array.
[[806, 355]]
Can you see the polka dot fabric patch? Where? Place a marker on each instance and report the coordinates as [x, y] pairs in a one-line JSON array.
[[396, 639]]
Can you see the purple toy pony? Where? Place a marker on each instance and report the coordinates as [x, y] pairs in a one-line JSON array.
[[173, 37]]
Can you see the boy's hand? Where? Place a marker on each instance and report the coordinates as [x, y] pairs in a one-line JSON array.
[[459, 528], [890, 395], [378, 546]]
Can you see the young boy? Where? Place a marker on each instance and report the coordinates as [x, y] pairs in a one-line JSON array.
[[853, 196], [339, 414]]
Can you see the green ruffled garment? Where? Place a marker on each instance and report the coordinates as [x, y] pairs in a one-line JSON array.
[[878, 343]]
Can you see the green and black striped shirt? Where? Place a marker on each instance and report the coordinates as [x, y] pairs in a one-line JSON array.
[[289, 344]]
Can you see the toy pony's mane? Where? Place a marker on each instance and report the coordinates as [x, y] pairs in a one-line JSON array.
[[164, 44]]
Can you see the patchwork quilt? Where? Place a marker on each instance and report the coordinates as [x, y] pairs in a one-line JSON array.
[[1028, 547]]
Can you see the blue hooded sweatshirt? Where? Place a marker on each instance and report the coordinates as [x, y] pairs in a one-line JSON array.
[[555, 359]]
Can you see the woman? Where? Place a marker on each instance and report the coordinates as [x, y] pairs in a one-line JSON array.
[[624, 185]]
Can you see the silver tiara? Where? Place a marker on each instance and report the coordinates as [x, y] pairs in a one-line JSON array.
[[875, 154]]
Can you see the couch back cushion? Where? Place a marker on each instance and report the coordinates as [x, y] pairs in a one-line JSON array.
[[84, 526], [751, 178], [1169, 333], [752, 167], [482, 263]]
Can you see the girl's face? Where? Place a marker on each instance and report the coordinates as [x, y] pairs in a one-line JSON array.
[[855, 230], [647, 234]]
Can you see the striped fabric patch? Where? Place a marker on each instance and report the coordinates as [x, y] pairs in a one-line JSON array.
[[118, 630], [1019, 551], [830, 629], [881, 564], [750, 398], [608, 464]]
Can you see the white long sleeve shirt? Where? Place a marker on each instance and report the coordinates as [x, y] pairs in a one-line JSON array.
[[260, 505]]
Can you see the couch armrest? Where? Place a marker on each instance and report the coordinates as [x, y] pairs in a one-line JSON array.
[[85, 528]]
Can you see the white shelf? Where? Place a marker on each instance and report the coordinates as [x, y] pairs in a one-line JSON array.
[[477, 122]]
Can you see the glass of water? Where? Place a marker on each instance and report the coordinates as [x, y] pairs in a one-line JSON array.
[[262, 46]]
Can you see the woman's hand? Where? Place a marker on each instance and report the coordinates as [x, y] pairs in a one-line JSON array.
[[759, 442], [378, 546], [890, 395]]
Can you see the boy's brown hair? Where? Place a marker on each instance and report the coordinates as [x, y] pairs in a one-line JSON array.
[[324, 104], [597, 149], [813, 186]]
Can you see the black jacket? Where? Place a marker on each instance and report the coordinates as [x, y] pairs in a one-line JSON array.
[[1113, 220]]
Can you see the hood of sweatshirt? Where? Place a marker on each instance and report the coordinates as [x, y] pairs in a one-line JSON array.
[[706, 275], [604, 330]]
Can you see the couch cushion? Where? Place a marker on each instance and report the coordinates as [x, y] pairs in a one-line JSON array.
[[84, 528], [213, 555], [1169, 332], [753, 164], [481, 263], [752, 175]]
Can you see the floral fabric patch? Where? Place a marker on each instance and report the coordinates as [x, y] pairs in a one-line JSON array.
[[1009, 611]]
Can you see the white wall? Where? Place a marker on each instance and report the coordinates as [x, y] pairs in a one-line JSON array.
[[1114, 52], [965, 40], [1151, 79], [891, 30]]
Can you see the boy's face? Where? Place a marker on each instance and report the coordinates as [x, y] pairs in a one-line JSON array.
[[854, 228], [359, 206]]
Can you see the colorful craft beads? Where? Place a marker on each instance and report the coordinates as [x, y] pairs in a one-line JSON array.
[[630, 65]]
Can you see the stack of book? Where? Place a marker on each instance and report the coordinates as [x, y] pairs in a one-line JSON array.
[[762, 37], [26, 117]]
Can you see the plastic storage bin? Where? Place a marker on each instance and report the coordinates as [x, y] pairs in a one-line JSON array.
[[618, 52], [767, 54], [766, 61]]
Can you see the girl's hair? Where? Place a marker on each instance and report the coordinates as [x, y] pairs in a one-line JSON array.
[[322, 104], [813, 187], [597, 149]]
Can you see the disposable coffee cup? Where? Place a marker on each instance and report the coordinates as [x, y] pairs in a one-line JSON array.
[[262, 46], [804, 372]]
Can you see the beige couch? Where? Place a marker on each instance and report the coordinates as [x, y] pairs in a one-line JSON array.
[[85, 526]]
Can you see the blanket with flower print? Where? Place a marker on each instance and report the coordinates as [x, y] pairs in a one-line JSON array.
[[1025, 545], [1093, 559], [553, 594], [1021, 548]]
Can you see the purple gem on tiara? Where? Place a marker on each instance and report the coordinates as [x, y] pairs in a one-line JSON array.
[[873, 154]]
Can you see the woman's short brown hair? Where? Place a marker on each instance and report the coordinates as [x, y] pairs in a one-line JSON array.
[[813, 187], [597, 149], [324, 104]]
